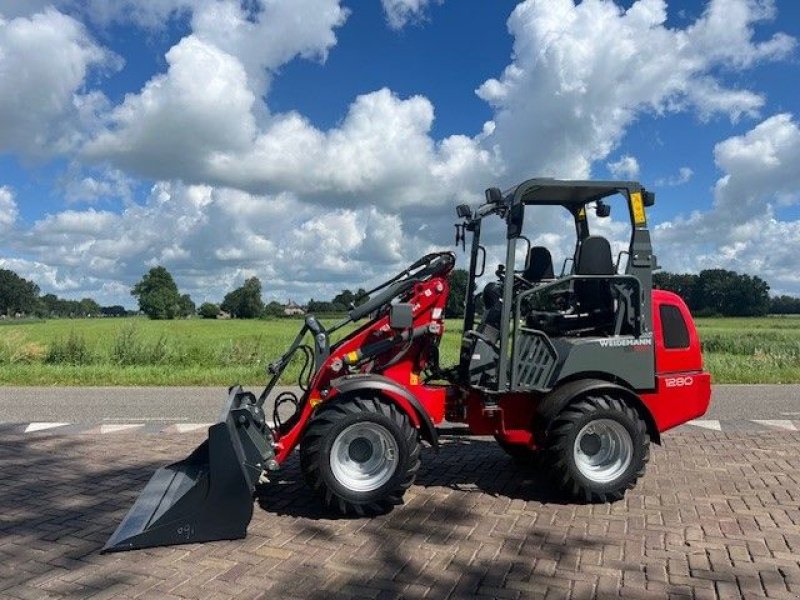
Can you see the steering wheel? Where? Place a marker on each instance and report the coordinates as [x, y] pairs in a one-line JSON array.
[[521, 283]]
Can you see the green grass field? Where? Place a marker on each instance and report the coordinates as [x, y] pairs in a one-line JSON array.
[[137, 351]]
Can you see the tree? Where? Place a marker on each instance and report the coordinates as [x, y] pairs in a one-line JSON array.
[[784, 305], [245, 302], [17, 294], [718, 292], [319, 307], [48, 305], [114, 311], [88, 308], [728, 293], [343, 301], [458, 294], [186, 307], [273, 309], [685, 285], [157, 294], [209, 310]]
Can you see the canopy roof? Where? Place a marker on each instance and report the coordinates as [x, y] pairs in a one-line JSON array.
[[566, 192]]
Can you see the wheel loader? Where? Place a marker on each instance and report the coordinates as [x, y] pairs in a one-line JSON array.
[[579, 371]]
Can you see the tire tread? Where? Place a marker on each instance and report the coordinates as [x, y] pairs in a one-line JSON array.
[[311, 454], [558, 449]]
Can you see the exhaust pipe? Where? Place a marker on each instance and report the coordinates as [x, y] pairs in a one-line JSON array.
[[208, 495]]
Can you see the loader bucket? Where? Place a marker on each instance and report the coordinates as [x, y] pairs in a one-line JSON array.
[[208, 495]]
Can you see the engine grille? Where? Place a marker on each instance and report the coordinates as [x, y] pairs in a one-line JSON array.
[[534, 361]]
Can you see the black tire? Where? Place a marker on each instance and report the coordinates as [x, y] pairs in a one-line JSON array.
[[561, 447], [318, 441]]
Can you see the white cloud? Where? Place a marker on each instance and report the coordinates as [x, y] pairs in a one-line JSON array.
[[47, 276], [43, 107], [570, 93], [149, 14], [270, 33], [400, 12], [564, 102], [382, 151], [202, 104], [211, 239], [763, 164], [761, 173], [626, 167], [683, 176], [8, 209], [104, 184], [310, 209]]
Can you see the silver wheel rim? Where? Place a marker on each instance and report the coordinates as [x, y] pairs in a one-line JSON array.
[[364, 456], [603, 450]]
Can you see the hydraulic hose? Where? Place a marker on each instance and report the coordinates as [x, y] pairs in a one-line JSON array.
[[377, 348]]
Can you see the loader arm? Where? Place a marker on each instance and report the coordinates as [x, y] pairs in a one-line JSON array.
[[209, 495]]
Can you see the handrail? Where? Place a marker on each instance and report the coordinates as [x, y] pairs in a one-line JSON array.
[[571, 278]]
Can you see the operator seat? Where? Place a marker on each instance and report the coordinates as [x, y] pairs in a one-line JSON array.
[[592, 303], [492, 310], [540, 265], [593, 296]]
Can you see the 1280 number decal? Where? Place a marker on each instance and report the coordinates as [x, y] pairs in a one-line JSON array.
[[672, 382]]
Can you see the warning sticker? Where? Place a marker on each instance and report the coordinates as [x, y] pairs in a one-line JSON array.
[[637, 207]]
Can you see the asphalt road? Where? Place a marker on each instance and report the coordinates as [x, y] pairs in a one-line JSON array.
[[202, 404]]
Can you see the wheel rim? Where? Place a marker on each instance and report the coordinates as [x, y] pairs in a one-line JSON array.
[[603, 450], [364, 457]]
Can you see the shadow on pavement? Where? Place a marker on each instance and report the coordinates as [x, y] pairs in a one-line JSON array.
[[57, 508], [474, 525], [454, 537], [461, 464]]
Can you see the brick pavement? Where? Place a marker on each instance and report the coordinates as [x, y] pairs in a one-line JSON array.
[[717, 516]]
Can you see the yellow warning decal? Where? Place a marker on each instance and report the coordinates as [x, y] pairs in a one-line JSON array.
[[582, 214], [637, 207], [414, 379]]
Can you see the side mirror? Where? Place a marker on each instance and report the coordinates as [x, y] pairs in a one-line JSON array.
[[515, 219], [602, 209], [494, 196], [463, 211], [401, 316]]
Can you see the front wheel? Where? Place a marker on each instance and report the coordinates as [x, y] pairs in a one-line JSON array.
[[360, 455], [598, 448]]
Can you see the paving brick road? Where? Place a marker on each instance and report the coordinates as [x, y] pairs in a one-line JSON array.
[[717, 516]]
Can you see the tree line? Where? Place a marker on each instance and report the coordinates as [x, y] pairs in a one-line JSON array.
[[724, 293], [710, 292], [18, 296]]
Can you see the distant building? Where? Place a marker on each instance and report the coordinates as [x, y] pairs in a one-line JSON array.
[[291, 309]]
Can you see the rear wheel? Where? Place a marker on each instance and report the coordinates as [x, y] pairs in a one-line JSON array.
[[598, 448], [360, 455]]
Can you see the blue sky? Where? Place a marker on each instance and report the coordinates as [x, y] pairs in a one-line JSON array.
[[323, 143]]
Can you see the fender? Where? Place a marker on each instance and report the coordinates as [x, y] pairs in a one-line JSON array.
[[396, 393], [555, 401]]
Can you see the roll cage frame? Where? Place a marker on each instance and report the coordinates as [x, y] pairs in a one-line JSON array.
[[574, 196]]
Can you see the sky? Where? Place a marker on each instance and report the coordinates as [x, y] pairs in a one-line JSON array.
[[324, 144]]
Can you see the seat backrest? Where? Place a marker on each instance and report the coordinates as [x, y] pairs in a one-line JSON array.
[[594, 258], [540, 265]]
